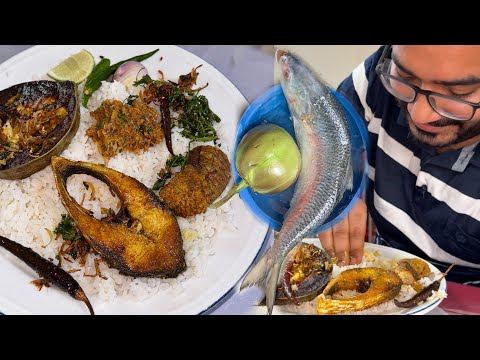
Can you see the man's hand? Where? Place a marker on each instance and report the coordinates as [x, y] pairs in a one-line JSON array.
[[345, 239]]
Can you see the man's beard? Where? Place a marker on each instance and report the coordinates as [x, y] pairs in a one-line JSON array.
[[431, 139]]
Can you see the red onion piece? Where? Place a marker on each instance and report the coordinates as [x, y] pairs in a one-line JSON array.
[[129, 72]]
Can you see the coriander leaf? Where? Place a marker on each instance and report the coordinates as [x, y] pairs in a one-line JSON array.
[[145, 80]]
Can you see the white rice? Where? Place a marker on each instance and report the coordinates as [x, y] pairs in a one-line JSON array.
[[29, 206], [370, 259]]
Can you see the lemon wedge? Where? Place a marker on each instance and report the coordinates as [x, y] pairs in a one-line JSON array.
[[75, 68]]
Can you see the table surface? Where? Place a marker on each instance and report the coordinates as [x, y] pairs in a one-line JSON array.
[[250, 69]]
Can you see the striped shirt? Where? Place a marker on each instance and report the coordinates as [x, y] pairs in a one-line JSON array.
[[425, 203]]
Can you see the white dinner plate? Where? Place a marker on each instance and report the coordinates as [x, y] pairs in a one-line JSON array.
[[233, 251], [387, 253]]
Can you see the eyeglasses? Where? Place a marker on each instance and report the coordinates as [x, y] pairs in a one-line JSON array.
[[447, 106]]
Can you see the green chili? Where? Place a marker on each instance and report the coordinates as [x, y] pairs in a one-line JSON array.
[[98, 69], [102, 71]]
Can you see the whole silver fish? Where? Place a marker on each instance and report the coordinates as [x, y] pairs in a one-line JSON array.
[[323, 136]]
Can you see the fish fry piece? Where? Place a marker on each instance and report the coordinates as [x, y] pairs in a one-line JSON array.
[[203, 179], [153, 249], [375, 286], [411, 270]]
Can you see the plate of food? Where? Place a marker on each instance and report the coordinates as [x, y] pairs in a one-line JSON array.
[[387, 282], [110, 178]]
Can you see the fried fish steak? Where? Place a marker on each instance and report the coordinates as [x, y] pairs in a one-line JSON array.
[[143, 239], [204, 178], [411, 270], [375, 286]]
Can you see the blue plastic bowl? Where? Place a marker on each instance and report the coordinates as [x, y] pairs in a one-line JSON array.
[[271, 107]]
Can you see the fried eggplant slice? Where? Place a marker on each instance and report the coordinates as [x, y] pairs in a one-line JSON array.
[[307, 269], [38, 120]]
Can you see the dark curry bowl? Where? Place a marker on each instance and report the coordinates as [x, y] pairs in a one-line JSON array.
[[56, 108]]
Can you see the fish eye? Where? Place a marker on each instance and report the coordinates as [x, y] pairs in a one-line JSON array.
[[286, 73]]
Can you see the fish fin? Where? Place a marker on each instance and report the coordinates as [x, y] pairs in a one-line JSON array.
[[349, 176], [256, 275], [271, 287], [265, 275]]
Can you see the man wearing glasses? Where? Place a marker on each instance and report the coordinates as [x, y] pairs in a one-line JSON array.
[[420, 104]]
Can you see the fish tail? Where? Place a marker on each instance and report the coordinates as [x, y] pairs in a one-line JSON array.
[[271, 287], [266, 275], [257, 274]]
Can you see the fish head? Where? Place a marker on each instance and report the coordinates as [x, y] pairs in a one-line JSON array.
[[299, 84]]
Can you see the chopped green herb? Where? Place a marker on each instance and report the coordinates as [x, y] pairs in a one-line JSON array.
[[197, 120], [67, 228], [162, 180], [177, 98], [131, 99], [177, 160], [166, 173], [145, 80], [3, 156]]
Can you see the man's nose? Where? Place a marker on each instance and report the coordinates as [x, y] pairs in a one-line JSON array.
[[421, 112]]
